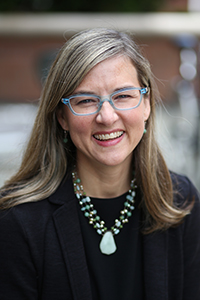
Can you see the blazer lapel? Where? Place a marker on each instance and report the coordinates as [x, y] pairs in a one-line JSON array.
[[155, 266], [69, 233]]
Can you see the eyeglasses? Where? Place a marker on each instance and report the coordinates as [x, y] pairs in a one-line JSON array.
[[88, 104]]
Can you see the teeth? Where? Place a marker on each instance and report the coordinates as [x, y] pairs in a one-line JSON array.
[[110, 136]]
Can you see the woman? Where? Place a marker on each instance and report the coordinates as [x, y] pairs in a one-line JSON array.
[[93, 212]]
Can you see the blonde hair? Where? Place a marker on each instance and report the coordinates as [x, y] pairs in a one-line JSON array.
[[47, 158]]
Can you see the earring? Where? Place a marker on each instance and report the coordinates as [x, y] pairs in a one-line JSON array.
[[145, 128], [65, 139]]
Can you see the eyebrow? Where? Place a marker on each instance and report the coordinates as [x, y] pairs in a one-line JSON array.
[[93, 93], [84, 92]]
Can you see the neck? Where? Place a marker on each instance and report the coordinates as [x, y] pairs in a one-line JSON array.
[[105, 182]]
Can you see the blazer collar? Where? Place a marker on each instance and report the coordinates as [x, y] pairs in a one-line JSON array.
[[69, 233]]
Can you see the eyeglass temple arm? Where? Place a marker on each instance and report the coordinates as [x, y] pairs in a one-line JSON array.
[[144, 90]]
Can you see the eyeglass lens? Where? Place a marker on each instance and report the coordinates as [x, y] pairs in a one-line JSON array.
[[86, 104]]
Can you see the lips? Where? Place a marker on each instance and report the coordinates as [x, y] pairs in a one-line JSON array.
[[110, 136]]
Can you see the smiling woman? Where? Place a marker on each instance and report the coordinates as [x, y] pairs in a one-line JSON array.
[[112, 212], [119, 130]]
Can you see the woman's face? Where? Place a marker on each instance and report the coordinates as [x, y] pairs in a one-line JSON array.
[[109, 137]]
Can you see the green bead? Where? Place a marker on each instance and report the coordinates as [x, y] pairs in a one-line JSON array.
[[86, 214], [129, 214]]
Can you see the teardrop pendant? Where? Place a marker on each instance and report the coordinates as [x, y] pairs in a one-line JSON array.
[[107, 244]]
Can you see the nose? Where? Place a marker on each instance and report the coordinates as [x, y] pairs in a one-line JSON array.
[[107, 114]]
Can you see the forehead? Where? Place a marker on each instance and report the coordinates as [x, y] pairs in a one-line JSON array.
[[112, 73]]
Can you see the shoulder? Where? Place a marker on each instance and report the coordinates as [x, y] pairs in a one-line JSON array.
[[186, 194], [184, 190], [24, 218], [33, 216], [41, 210]]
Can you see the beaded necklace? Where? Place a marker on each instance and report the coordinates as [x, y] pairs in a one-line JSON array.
[[107, 244]]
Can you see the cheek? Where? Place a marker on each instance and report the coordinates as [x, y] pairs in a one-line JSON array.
[[79, 130], [135, 118], [135, 126]]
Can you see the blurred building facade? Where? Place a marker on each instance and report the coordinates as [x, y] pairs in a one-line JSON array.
[[29, 43]]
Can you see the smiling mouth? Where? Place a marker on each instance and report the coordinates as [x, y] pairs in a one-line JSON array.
[[106, 137]]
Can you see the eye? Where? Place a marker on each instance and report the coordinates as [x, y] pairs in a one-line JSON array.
[[122, 96], [127, 95], [84, 101], [119, 97]]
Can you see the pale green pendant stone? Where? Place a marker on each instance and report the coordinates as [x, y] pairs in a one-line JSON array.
[[107, 244]]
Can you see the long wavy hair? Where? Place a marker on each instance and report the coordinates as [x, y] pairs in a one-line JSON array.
[[47, 159]]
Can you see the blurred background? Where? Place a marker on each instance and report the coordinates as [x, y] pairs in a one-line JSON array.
[[32, 31]]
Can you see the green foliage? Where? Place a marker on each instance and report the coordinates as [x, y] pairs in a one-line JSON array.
[[80, 6]]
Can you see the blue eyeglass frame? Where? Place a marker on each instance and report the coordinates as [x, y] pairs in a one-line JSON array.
[[103, 99]]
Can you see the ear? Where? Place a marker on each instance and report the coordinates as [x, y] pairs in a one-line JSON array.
[[147, 108], [62, 118]]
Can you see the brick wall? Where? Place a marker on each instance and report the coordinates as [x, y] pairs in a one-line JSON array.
[[27, 44], [23, 62]]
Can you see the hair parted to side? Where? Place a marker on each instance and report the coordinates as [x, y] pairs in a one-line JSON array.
[[47, 158]]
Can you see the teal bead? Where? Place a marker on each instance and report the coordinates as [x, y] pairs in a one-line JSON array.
[[116, 231], [86, 214], [118, 223], [99, 231], [129, 214], [129, 197]]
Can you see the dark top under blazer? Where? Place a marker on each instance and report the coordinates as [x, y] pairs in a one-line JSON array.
[[42, 253]]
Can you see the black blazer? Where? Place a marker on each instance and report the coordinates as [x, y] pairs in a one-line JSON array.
[[42, 253]]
